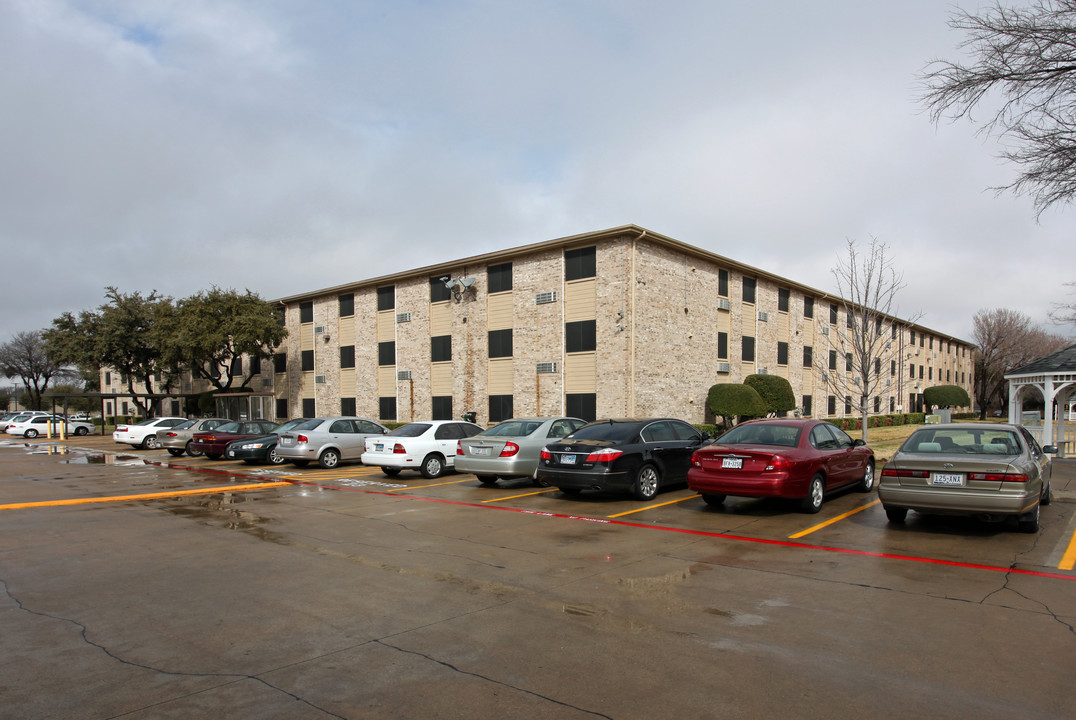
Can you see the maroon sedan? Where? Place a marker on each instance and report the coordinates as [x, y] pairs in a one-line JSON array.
[[213, 442], [783, 458]]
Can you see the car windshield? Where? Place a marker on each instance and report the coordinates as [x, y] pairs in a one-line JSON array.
[[147, 421], [227, 428], [611, 432], [967, 441], [185, 426], [513, 428], [759, 434], [410, 430]]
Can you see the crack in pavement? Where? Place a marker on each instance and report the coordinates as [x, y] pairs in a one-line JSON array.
[[232, 677]]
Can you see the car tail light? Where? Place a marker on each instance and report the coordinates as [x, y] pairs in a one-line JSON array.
[[302, 438], [998, 477], [902, 472], [121, 428], [459, 448], [398, 449], [510, 449], [171, 434], [778, 462], [695, 461], [545, 455], [605, 455]]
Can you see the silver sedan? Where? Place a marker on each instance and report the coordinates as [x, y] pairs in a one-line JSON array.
[[327, 440], [177, 440], [511, 448]]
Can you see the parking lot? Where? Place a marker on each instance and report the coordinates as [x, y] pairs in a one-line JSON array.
[[141, 585]]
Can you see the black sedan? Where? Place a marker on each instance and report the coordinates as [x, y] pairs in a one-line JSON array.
[[261, 449], [637, 455]]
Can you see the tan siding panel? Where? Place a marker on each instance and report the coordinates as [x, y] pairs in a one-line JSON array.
[[501, 376], [580, 300], [386, 381], [308, 385], [441, 378], [440, 319], [386, 326], [347, 331], [581, 373], [306, 337], [347, 382], [499, 307]]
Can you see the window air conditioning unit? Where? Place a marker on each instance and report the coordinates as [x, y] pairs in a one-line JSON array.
[[763, 317], [547, 367], [724, 367], [825, 377], [825, 329], [403, 374], [723, 304], [403, 317], [319, 379], [319, 329], [544, 298], [763, 371]]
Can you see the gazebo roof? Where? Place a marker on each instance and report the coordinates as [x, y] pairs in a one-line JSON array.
[[1061, 361]]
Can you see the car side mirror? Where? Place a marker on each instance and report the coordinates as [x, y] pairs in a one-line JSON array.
[[858, 442], [1051, 449]]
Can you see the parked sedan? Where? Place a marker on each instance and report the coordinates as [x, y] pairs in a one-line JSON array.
[[214, 442], [992, 471], [782, 458], [144, 434], [262, 449], [637, 455], [429, 447], [511, 448], [328, 440], [32, 426], [177, 440]]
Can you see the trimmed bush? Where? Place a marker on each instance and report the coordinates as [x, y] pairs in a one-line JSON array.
[[732, 401], [775, 391], [946, 396]]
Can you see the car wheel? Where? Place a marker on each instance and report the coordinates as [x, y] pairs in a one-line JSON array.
[[432, 466], [714, 500], [866, 484], [647, 481], [390, 472], [895, 514], [329, 458], [82, 431], [192, 451], [1029, 522], [487, 479], [272, 458], [300, 463], [1047, 494], [31, 433], [150, 442], [213, 456], [816, 493], [175, 452]]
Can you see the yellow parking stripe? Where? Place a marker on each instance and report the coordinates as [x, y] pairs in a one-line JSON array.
[[651, 507], [1068, 560], [145, 496], [513, 497], [819, 526]]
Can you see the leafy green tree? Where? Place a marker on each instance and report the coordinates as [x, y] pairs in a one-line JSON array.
[[208, 332], [775, 391], [732, 402], [27, 357], [124, 334], [946, 396]]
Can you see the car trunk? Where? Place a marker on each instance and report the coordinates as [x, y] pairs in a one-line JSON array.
[[727, 460], [943, 471]]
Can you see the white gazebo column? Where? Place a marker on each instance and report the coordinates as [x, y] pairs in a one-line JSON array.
[[1014, 397], [1048, 411]]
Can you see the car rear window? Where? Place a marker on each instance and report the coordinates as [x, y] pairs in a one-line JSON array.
[[410, 430], [962, 441], [759, 434], [513, 428], [610, 432], [228, 428]]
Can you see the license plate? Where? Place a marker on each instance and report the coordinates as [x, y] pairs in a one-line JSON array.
[[480, 451], [379, 448], [732, 463], [952, 479], [567, 459]]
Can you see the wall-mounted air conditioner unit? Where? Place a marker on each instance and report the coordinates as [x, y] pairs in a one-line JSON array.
[[319, 329], [763, 371], [763, 317], [723, 304], [319, 379], [403, 374], [724, 367], [825, 330], [547, 367], [544, 298], [403, 317]]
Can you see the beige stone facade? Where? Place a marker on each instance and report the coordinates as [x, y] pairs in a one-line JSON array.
[[620, 322]]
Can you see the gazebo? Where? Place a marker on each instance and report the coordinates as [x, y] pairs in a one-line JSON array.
[[1054, 377]]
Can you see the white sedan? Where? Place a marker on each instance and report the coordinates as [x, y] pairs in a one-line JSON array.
[[38, 425], [429, 447], [144, 434]]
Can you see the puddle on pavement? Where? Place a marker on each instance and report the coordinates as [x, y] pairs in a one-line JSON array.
[[220, 511], [104, 459]]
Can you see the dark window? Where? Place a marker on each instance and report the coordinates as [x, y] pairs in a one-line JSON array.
[[280, 362], [849, 320], [848, 362], [877, 404], [439, 292], [386, 297], [306, 312], [893, 368], [808, 307], [911, 337], [831, 405], [500, 343], [386, 408], [580, 263], [832, 359], [911, 370], [308, 361], [808, 356], [922, 337], [920, 372], [347, 406], [747, 349], [580, 336], [782, 353], [347, 357], [581, 405], [723, 345], [256, 365], [281, 408], [782, 299], [347, 305], [281, 318], [723, 283], [832, 314], [807, 401], [500, 408], [930, 373], [308, 407], [442, 407], [847, 404], [894, 331], [499, 277], [892, 403], [386, 353], [235, 370], [749, 290], [441, 348], [108, 378], [877, 366]]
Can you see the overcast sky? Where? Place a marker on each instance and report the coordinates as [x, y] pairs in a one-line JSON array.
[[290, 145]]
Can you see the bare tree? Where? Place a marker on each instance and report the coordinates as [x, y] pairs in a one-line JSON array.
[[1023, 68], [1005, 339], [1065, 313], [26, 358], [868, 284]]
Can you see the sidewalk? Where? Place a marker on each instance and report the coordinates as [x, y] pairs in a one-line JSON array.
[[1063, 481]]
